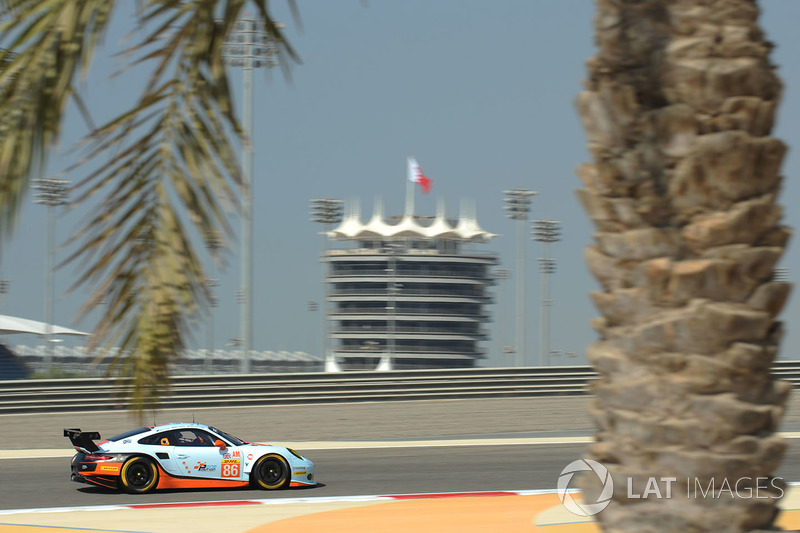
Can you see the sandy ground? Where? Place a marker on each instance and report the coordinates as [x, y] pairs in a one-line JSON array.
[[429, 515]]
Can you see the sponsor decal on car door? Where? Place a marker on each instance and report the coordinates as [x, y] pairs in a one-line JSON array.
[[231, 464], [196, 455]]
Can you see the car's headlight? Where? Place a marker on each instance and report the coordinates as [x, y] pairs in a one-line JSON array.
[[296, 454]]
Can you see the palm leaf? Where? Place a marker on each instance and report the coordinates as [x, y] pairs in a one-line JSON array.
[[168, 163]]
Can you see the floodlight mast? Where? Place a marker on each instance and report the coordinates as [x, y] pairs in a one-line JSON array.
[[326, 211], [249, 47], [214, 243], [4, 286], [501, 274], [387, 361], [546, 232], [518, 203], [52, 193]]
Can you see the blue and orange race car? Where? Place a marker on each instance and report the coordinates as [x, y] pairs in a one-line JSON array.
[[182, 455]]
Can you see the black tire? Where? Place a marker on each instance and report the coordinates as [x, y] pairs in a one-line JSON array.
[[271, 472], [139, 475]]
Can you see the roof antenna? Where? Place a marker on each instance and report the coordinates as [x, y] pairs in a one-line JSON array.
[[192, 418]]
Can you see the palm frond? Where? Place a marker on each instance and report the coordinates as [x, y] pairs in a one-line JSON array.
[[43, 45], [169, 163]]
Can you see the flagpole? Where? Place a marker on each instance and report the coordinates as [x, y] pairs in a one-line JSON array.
[[409, 189]]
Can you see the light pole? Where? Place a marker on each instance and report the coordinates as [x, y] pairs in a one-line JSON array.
[[4, 286], [386, 362], [545, 231], [313, 306], [249, 47], [518, 203], [52, 193], [326, 211], [211, 284], [501, 274], [213, 244]]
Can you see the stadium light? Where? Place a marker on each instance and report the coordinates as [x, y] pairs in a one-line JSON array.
[[248, 46], [518, 203]]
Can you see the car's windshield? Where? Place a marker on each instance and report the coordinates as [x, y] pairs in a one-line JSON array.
[[127, 434], [236, 441]]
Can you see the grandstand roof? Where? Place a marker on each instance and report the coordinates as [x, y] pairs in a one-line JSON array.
[[13, 324]]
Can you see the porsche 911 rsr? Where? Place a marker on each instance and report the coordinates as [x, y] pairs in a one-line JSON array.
[[182, 455]]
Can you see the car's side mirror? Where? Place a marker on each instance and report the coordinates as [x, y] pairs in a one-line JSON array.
[[219, 444]]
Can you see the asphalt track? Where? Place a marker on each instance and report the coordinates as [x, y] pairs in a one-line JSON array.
[[472, 459], [41, 483]]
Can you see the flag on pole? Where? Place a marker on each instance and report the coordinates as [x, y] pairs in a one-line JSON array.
[[415, 175]]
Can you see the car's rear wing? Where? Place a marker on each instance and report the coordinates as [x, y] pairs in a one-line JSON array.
[[83, 439]]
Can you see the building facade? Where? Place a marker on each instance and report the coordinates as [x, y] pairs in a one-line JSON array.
[[408, 292]]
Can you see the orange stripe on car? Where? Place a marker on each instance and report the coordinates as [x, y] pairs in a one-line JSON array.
[[166, 481]]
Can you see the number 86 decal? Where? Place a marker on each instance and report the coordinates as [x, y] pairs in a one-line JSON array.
[[230, 469]]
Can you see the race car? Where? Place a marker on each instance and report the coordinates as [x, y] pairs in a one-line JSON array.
[[182, 455]]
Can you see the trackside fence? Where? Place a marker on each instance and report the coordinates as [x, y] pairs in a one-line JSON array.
[[97, 394]]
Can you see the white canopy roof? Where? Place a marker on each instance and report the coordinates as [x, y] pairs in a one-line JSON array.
[[12, 324], [466, 229]]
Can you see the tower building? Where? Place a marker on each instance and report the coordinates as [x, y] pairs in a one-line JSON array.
[[408, 292]]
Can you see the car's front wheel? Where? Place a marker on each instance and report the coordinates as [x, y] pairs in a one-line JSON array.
[[139, 475], [271, 472]]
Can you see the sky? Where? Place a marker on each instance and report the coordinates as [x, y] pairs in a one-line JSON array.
[[481, 93]]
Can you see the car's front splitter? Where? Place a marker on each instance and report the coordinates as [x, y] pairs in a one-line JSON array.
[[294, 484]]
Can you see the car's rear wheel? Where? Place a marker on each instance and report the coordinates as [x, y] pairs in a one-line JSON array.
[[271, 472], [139, 475]]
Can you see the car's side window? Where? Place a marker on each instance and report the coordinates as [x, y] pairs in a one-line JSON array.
[[165, 438], [193, 437], [180, 437], [206, 439]]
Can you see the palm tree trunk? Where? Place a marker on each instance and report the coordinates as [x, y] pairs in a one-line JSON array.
[[678, 107]]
